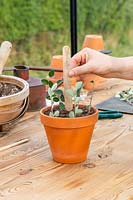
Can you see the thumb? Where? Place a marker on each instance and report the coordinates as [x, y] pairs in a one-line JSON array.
[[79, 70]]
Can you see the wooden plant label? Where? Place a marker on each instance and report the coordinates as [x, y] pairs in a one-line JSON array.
[[66, 78]]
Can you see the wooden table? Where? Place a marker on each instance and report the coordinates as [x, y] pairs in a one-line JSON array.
[[28, 172]]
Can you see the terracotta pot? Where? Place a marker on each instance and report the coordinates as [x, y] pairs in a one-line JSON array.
[[57, 62], [69, 138], [94, 42]]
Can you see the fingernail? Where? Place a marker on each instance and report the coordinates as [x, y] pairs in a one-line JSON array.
[[71, 73]]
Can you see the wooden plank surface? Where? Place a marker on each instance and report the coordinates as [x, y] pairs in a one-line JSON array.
[[28, 172]]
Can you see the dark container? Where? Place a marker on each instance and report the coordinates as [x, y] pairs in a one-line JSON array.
[[37, 96]]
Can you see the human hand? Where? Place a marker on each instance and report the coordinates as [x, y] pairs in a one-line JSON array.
[[91, 61]]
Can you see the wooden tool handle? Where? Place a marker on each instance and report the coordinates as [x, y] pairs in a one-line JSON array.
[[67, 80], [5, 50], [14, 144]]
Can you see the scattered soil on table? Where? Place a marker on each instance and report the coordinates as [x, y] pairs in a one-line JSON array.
[[25, 171], [105, 152], [65, 114], [7, 89]]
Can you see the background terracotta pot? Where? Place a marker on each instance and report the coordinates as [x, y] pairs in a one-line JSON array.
[[69, 138], [94, 42], [57, 62]]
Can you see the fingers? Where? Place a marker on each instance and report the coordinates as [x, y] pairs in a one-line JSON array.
[[79, 62], [79, 70], [79, 58]]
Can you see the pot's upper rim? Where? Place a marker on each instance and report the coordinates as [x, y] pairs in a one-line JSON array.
[[67, 118], [68, 123]]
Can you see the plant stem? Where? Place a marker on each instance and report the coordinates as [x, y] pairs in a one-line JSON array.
[[74, 106], [52, 107]]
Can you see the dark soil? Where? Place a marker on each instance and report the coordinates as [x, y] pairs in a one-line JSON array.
[[65, 114], [7, 89]]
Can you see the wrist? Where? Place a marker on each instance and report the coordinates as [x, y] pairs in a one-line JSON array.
[[122, 67]]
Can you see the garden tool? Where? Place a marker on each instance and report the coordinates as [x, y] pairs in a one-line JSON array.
[[111, 114], [5, 50], [22, 141], [116, 104]]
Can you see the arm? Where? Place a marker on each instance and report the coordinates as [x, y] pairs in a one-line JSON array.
[[91, 61], [122, 67]]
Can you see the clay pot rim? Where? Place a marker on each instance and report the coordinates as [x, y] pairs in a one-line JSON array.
[[58, 56], [66, 118], [6, 100], [21, 67], [94, 36]]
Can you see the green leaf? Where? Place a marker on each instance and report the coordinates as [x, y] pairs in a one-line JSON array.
[[49, 91], [79, 85], [62, 98], [61, 106], [50, 83], [45, 81], [54, 87], [70, 92], [78, 110], [77, 100], [48, 97], [59, 92], [51, 114], [59, 82], [56, 113], [51, 73], [78, 92], [71, 114], [55, 99]]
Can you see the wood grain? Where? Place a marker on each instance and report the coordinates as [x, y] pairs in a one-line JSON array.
[[28, 172]]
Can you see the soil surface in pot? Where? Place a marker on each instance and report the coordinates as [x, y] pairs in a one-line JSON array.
[[7, 89], [65, 114]]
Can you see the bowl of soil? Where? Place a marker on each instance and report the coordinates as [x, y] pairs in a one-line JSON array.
[[14, 94]]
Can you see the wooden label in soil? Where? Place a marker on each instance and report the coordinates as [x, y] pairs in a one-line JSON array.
[[66, 78]]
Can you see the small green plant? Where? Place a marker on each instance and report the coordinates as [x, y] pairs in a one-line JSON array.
[[74, 93], [54, 94], [57, 95], [126, 95]]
